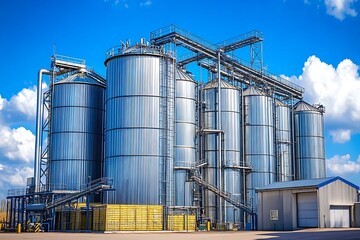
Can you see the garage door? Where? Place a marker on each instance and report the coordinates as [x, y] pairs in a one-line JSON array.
[[339, 217], [307, 212]]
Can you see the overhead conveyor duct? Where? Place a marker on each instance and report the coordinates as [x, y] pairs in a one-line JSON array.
[[232, 44], [203, 49]]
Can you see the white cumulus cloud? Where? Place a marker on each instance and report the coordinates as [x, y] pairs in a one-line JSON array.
[[2, 100], [15, 177], [25, 102], [340, 8], [341, 135], [337, 88], [21, 106], [17, 144], [342, 165], [20, 176]]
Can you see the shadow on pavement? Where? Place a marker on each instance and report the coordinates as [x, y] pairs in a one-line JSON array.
[[315, 235]]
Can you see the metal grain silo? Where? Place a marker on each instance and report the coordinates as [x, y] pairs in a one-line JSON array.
[[283, 142], [309, 141], [231, 118], [185, 136], [259, 141], [76, 132], [139, 128]]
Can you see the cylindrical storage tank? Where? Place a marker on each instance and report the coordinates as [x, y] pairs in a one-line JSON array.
[[76, 132], [139, 121], [232, 176], [185, 136], [259, 141], [283, 142], [309, 141]]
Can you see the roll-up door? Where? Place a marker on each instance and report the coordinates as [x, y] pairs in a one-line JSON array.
[[339, 217], [307, 211]]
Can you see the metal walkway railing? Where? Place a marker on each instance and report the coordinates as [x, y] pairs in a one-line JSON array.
[[203, 49], [240, 41], [224, 46]]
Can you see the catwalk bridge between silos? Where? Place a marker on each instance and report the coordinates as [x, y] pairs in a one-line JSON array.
[[203, 49]]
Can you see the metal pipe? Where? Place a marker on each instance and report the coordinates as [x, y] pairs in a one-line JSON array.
[[39, 111], [274, 134], [219, 136], [293, 141], [223, 140], [243, 152]]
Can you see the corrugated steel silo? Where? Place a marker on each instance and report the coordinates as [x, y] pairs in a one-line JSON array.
[[185, 136], [283, 142], [259, 141], [231, 118], [139, 125], [76, 132], [309, 141]]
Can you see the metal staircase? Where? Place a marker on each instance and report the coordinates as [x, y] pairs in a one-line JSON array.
[[226, 196], [97, 185]]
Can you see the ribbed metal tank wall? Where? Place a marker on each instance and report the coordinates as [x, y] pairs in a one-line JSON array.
[[185, 133], [231, 118], [259, 141], [309, 141], [283, 142], [76, 132], [138, 120]]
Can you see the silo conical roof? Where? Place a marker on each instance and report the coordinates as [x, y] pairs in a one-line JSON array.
[[253, 91], [214, 84], [80, 78], [280, 103], [180, 74], [304, 106]]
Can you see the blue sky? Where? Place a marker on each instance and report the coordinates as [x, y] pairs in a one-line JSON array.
[[314, 43]]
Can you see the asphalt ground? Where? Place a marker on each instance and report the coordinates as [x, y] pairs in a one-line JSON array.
[[313, 234]]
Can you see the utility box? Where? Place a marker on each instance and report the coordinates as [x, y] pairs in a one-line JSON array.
[[30, 182]]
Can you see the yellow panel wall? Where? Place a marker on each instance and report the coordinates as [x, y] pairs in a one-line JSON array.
[[181, 222], [113, 217]]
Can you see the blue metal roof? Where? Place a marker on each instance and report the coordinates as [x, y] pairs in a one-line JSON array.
[[317, 183]]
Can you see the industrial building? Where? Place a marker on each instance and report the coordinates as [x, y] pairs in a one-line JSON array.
[[152, 134], [322, 202]]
